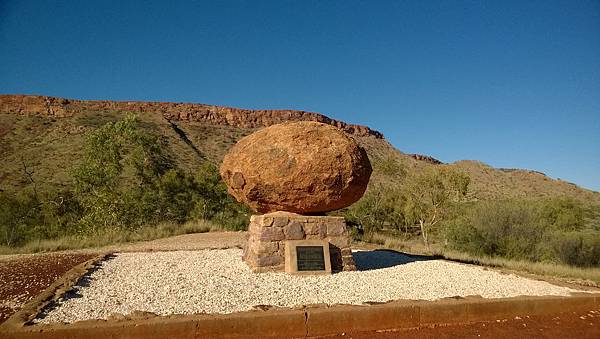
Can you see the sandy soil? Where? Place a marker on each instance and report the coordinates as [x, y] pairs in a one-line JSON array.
[[21, 279], [581, 325]]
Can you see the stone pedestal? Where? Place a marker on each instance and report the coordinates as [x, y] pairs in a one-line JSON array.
[[267, 234]]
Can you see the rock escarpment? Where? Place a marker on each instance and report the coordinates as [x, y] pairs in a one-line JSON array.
[[301, 167], [425, 158], [245, 118]]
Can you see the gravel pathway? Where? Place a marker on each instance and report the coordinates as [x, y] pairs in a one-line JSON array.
[[194, 241], [218, 281]]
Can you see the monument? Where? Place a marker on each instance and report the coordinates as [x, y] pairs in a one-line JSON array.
[[294, 173]]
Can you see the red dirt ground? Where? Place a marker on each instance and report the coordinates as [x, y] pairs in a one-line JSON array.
[[22, 278], [581, 325]]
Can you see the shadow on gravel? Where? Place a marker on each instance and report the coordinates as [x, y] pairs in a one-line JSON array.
[[74, 292], [376, 259]]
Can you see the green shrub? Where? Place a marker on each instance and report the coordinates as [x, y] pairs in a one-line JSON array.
[[577, 248], [537, 230], [417, 207], [562, 214], [17, 212], [378, 208]]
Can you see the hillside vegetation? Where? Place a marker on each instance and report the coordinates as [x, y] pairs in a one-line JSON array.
[[48, 142], [77, 168]]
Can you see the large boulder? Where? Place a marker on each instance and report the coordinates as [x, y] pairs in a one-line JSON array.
[[300, 167]]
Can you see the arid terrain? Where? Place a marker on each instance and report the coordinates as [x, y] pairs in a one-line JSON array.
[[42, 137], [582, 325], [46, 135], [22, 277]]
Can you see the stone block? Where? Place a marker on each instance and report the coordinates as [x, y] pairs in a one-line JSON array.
[[280, 221], [336, 228], [254, 228], [271, 234], [293, 231], [316, 228], [271, 260], [349, 268], [267, 221], [263, 247], [281, 250], [348, 263], [261, 220], [339, 241]]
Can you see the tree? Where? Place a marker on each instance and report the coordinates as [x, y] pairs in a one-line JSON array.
[[117, 177], [213, 202], [380, 207], [126, 179], [428, 196], [17, 212]]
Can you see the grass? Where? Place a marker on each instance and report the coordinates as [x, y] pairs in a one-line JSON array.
[[112, 237], [580, 275], [400, 243]]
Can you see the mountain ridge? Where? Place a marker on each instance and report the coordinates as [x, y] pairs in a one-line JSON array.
[[177, 111], [46, 134]]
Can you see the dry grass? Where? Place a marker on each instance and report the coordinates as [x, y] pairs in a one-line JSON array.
[[585, 276], [112, 237], [579, 275]]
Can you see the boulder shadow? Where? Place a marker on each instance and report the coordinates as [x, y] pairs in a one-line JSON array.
[[378, 259]]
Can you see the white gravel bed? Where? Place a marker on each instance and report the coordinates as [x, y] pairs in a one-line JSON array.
[[218, 281]]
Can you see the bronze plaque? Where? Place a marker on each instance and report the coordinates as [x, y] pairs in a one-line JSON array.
[[310, 258]]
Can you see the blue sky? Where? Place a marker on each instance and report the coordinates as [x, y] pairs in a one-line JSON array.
[[510, 83]]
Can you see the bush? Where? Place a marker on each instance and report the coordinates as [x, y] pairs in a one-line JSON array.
[[378, 208], [505, 229], [577, 248], [17, 212], [416, 207], [537, 230]]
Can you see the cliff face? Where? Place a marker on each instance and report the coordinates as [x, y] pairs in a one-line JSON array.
[[425, 158], [245, 118]]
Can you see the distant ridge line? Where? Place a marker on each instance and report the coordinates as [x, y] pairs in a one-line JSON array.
[[425, 158], [244, 118]]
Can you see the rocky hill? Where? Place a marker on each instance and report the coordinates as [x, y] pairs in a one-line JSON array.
[[186, 112], [43, 136]]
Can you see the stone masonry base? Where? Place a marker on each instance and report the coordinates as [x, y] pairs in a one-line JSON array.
[[265, 249]]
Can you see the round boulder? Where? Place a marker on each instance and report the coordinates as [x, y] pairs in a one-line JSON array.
[[301, 167]]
